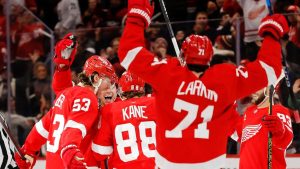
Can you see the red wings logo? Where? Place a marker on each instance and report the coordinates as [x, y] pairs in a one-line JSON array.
[[250, 131]]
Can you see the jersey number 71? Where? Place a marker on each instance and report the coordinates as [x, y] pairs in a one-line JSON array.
[[201, 131]]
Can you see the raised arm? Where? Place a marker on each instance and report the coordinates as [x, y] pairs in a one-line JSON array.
[[65, 51], [265, 70], [132, 52]]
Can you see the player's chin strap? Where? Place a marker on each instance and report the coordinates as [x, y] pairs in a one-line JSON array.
[[97, 85], [265, 99], [113, 87], [275, 84]]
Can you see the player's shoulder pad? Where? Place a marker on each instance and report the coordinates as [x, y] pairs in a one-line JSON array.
[[280, 108]]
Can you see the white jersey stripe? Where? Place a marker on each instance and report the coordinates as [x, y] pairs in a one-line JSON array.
[[163, 163], [41, 130], [102, 150], [75, 125], [270, 73], [130, 56], [286, 126], [235, 136]]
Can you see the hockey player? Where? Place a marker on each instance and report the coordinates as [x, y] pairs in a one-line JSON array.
[[192, 123], [62, 78], [73, 120], [256, 125], [127, 132]]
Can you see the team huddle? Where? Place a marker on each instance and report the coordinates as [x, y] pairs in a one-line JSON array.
[[184, 124]]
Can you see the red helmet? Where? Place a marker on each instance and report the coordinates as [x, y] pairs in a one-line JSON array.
[[100, 65], [197, 50], [130, 82]]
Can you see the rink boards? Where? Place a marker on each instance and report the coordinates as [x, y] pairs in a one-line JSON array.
[[293, 162]]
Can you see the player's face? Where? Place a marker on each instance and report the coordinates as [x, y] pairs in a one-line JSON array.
[[106, 92], [258, 97]]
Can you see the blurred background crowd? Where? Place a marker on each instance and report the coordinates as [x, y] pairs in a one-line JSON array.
[[35, 26]]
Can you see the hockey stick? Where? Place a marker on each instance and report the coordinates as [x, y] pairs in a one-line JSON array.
[[14, 142], [271, 91], [286, 75], [169, 26]]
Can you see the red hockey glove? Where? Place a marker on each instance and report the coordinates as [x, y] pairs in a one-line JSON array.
[[276, 25], [29, 162], [140, 12], [65, 51], [72, 157], [273, 124]]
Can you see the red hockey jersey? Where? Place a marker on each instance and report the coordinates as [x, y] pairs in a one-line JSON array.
[[73, 119], [61, 80], [254, 140], [127, 134], [192, 123]]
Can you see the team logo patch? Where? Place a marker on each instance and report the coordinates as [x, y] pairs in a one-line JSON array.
[[250, 131]]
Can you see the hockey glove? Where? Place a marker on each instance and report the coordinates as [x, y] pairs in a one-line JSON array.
[[28, 162], [65, 51], [275, 25], [274, 125], [72, 157], [140, 12]]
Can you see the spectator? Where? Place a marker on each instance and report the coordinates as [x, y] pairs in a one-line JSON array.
[[223, 50], [2, 25], [28, 44], [113, 56], [180, 35], [151, 34], [116, 12], [30, 4], [94, 15], [69, 16], [86, 47], [296, 90], [46, 11], [29, 38], [160, 47], [16, 119], [25, 123], [201, 26], [294, 19], [254, 11], [214, 11], [293, 45], [224, 27], [39, 87]]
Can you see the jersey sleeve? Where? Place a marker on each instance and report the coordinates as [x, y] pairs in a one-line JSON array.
[[241, 81], [61, 80], [238, 81], [83, 115], [39, 133], [102, 145], [237, 133], [286, 138], [135, 57], [236, 121]]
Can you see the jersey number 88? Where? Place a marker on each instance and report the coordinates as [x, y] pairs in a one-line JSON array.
[[132, 143]]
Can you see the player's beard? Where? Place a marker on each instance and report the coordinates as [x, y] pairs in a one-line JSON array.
[[258, 98]]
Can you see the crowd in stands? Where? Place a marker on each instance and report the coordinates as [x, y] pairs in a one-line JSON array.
[[98, 26]]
